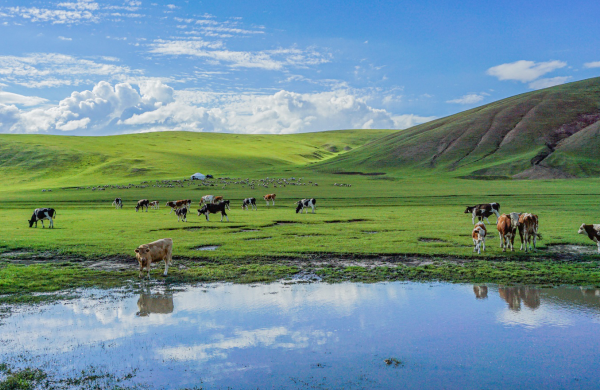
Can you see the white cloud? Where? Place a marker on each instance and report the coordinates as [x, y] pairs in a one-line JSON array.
[[82, 11], [470, 98], [156, 106], [595, 64], [524, 71], [65, 38], [13, 98], [549, 82]]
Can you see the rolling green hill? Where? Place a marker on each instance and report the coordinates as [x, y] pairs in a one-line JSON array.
[[46, 160], [550, 133]]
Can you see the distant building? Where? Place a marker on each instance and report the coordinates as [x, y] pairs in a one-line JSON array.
[[198, 176]]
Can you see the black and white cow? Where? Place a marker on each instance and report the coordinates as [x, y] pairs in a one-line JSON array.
[[306, 203], [181, 214], [118, 203], [40, 215], [141, 204], [483, 211], [249, 202], [212, 208]]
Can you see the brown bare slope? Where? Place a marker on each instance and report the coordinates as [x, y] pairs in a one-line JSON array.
[[551, 133]]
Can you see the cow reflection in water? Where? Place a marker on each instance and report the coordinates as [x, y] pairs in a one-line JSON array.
[[154, 303], [515, 295], [480, 292]]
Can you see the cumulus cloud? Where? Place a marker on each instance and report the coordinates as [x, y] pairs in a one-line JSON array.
[[595, 64], [65, 38], [154, 106], [524, 71], [82, 11], [548, 82], [470, 98]]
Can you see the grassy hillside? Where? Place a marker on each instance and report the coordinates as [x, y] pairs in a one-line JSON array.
[[39, 161], [551, 133]]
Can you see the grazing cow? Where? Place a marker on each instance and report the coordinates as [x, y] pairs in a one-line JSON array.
[[154, 204], [249, 202], [506, 232], [217, 199], [118, 203], [212, 208], [269, 197], [306, 203], [40, 215], [528, 230], [141, 204], [479, 233], [154, 252], [176, 205], [181, 214], [483, 210], [206, 199], [593, 232]]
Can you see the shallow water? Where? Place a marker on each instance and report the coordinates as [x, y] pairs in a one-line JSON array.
[[317, 336]]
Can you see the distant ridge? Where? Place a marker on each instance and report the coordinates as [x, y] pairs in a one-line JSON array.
[[546, 134]]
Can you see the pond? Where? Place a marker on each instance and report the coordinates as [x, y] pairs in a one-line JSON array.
[[318, 335]]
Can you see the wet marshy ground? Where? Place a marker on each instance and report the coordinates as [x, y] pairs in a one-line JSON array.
[[317, 335]]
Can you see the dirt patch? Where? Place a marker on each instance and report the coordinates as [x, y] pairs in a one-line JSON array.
[[258, 238], [429, 239], [347, 221], [572, 249], [246, 231]]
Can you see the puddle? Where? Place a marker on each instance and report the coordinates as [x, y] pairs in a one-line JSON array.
[[246, 231], [428, 239], [207, 248], [258, 238], [572, 249], [313, 335], [347, 221], [370, 232]]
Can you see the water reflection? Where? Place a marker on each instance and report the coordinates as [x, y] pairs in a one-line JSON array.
[[154, 303], [481, 292], [515, 295]]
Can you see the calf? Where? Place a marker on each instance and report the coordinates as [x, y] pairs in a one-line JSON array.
[[306, 203], [483, 210], [212, 208], [181, 214], [593, 232], [154, 204], [528, 230], [249, 202], [118, 203], [270, 197], [141, 204], [154, 252], [479, 233], [40, 215], [506, 232]]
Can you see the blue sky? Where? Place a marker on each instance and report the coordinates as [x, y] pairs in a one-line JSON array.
[[93, 67]]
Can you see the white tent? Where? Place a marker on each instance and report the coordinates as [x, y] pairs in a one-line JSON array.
[[198, 176]]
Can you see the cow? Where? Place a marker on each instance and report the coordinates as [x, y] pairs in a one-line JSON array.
[[40, 215], [269, 197], [249, 202], [306, 203], [118, 203], [155, 204], [181, 214], [479, 233], [483, 210], [528, 230], [593, 232], [154, 252], [206, 199], [217, 199], [141, 204], [506, 231], [188, 202], [212, 208], [176, 205], [154, 303]]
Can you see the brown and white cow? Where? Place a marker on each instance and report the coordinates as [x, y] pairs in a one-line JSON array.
[[528, 230], [479, 233], [154, 204], [217, 199], [270, 197], [592, 231], [483, 210], [206, 199], [154, 252], [176, 205], [506, 231], [141, 204]]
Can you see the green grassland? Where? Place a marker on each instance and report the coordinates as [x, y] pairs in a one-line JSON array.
[[403, 224]]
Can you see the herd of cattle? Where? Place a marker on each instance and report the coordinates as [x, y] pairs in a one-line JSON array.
[[507, 224]]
